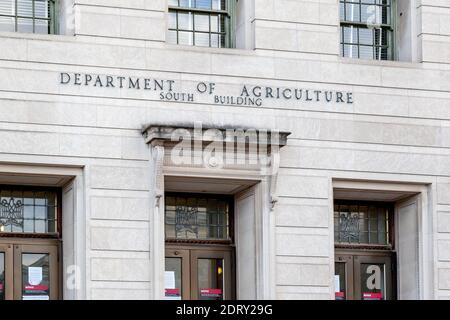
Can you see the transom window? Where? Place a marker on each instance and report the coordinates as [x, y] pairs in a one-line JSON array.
[[197, 217], [367, 29], [206, 23], [362, 223], [30, 16], [28, 211]]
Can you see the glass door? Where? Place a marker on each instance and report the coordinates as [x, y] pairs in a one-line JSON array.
[[364, 276], [373, 276], [198, 274], [36, 272], [176, 277], [211, 275], [343, 277], [6, 272]]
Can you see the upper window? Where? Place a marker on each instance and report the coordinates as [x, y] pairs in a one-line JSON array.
[[31, 16], [367, 29], [206, 23], [362, 223], [197, 217], [28, 211]]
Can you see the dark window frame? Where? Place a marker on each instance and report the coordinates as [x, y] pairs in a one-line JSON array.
[[52, 235], [388, 28], [227, 198], [51, 19], [371, 246], [228, 34]]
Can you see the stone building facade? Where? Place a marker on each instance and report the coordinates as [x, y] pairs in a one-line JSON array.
[[90, 112]]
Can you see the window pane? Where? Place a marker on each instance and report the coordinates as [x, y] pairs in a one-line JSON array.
[[7, 7], [25, 8], [25, 25], [28, 211], [340, 281], [172, 37], [352, 12], [373, 281], [186, 38], [217, 5], [350, 51], [366, 52], [173, 3], [365, 36], [197, 217], [185, 21], [214, 23], [202, 40], [350, 35], [35, 276], [210, 279], [172, 20], [203, 4], [363, 224], [202, 22], [173, 285], [7, 24], [215, 40], [187, 3], [41, 9]]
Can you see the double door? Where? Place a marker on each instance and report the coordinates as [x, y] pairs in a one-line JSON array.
[[28, 270], [364, 276], [196, 273]]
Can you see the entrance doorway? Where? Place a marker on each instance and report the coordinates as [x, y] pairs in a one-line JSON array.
[[364, 276], [199, 263], [199, 273], [364, 256], [30, 224], [29, 270]]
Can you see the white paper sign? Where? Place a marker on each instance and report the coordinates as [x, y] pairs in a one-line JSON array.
[[337, 283], [169, 279], [34, 275], [35, 298]]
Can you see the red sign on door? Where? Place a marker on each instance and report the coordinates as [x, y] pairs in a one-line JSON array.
[[339, 295], [172, 292], [211, 292], [372, 296], [36, 288]]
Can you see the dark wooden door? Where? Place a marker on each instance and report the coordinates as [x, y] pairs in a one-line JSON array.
[[199, 273], [364, 276], [29, 270]]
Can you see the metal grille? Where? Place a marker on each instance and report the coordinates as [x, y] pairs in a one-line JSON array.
[[362, 224], [29, 16], [367, 29], [196, 217], [28, 211], [200, 23]]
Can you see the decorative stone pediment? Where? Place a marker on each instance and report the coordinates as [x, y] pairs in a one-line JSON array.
[[171, 133]]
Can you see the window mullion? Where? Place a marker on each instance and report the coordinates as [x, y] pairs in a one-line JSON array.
[[33, 15]]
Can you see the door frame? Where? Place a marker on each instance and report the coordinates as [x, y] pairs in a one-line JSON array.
[[184, 255], [374, 259], [225, 255], [367, 256], [349, 280], [15, 247], [190, 253], [8, 251]]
